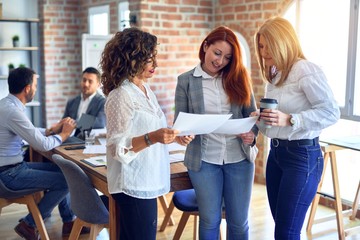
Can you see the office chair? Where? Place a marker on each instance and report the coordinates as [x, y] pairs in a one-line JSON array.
[[185, 201], [25, 196], [87, 205]]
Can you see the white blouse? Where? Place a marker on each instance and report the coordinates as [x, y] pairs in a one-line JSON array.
[[129, 114], [307, 96], [218, 148]]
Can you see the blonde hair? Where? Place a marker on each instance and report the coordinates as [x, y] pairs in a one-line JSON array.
[[283, 45]]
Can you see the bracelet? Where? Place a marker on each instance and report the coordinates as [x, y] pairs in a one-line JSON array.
[[147, 139]]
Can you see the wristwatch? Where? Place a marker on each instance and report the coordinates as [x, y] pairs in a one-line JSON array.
[[292, 120]]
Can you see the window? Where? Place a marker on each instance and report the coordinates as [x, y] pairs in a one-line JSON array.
[[328, 32], [124, 15], [330, 40], [99, 20]]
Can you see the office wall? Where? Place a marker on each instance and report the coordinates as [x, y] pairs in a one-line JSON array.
[[14, 9], [180, 26], [60, 38]]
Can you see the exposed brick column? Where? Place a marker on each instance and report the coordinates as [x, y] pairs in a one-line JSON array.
[[180, 27], [245, 17], [61, 60]]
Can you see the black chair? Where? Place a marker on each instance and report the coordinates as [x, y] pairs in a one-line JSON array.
[[88, 206]]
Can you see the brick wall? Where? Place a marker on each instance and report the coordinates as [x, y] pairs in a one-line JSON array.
[[244, 17], [61, 56], [180, 26]]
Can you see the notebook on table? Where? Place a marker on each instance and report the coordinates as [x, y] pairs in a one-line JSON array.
[[85, 123]]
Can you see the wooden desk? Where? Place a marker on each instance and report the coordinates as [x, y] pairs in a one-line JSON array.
[[179, 178], [329, 148]]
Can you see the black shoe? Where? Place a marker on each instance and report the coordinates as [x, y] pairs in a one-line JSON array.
[[67, 227], [26, 231]]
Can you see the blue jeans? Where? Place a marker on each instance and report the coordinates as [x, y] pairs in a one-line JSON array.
[[138, 217], [47, 176], [292, 178], [231, 183]]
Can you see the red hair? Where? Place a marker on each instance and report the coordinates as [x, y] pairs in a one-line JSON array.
[[235, 78]]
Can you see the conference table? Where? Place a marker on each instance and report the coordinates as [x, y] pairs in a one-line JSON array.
[[179, 179]]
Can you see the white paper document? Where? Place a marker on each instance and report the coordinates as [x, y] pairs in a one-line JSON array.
[[194, 124], [95, 149], [97, 161], [237, 126], [176, 148]]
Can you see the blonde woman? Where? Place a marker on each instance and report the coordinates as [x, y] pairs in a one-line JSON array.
[[306, 105]]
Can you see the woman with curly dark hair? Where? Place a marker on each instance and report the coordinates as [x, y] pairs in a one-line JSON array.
[[137, 133]]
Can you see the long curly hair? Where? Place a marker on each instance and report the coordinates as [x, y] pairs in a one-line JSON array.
[[235, 78], [125, 56]]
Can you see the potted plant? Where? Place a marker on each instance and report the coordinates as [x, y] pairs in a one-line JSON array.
[[15, 40], [11, 67], [22, 65]]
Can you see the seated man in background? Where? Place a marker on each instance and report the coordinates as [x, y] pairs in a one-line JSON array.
[[89, 101], [17, 174]]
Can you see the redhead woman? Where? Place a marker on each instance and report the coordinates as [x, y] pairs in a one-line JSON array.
[[218, 166]]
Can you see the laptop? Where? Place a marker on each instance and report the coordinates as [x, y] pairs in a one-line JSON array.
[[85, 123]]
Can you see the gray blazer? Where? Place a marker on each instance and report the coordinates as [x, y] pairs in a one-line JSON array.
[[96, 108], [189, 98]]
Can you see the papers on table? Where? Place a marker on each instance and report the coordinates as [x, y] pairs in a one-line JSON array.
[[195, 124], [177, 157], [97, 161], [99, 132], [102, 140], [95, 149], [176, 152], [176, 148]]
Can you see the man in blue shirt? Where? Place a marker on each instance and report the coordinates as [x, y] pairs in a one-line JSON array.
[[17, 174]]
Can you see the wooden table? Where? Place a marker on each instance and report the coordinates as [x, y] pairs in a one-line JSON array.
[[329, 147], [179, 178]]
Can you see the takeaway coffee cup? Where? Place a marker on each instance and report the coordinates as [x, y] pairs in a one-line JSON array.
[[269, 103]]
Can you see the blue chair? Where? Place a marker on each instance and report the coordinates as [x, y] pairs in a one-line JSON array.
[[26, 196], [185, 201], [88, 206]]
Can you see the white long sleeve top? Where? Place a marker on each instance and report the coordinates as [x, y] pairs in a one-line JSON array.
[[307, 96], [130, 113]]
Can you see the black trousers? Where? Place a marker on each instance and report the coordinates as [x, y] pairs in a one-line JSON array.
[[138, 217]]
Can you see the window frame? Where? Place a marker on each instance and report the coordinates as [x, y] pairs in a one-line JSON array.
[[124, 15], [97, 10], [347, 111]]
